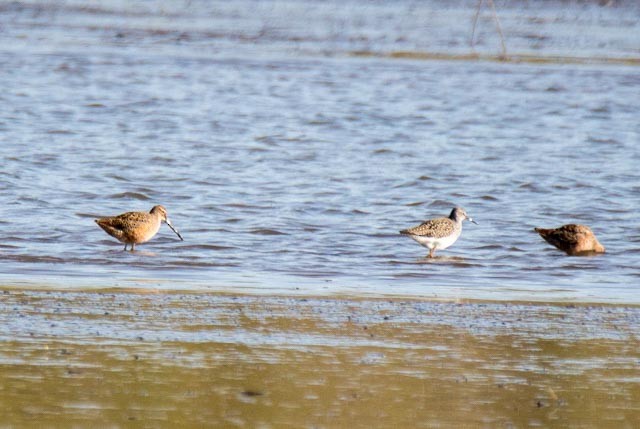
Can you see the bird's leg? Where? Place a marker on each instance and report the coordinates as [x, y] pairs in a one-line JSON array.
[[133, 246], [125, 247], [432, 252]]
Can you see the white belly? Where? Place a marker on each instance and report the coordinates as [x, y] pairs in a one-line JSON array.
[[436, 243]]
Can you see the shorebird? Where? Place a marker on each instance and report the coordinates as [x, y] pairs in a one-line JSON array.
[[136, 227], [439, 233], [572, 239]]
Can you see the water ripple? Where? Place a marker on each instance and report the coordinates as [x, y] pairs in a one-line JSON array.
[[130, 196], [274, 183]]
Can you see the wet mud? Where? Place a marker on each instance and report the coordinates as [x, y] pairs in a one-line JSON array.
[[162, 359]]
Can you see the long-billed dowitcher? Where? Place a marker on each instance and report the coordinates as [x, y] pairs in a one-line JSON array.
[[439, 233], [136, 227], [573, 239]]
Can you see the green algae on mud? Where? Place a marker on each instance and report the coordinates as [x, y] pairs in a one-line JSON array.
[[174, 359]]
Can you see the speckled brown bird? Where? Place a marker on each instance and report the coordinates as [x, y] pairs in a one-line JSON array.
[[136, 227], [573, 239], [439, 233]]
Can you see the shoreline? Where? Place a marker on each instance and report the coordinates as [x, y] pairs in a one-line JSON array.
[[190, 359], [509, 58], [144, 287], [87, 308]]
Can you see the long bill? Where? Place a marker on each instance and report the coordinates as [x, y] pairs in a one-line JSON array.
[[174, 230]]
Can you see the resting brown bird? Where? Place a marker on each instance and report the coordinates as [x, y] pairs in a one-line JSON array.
[[573, 239]]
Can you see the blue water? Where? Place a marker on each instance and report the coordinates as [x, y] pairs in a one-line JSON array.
[[289, 164]]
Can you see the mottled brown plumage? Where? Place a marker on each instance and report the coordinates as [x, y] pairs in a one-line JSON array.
[[439, 233], [436, 228], [136, 227], [573, 239]]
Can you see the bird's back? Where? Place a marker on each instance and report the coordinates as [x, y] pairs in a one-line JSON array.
[[130, 227], [435, 228], [571, 238]]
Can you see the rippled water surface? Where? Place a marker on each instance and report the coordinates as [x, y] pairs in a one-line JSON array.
[[289, 160]]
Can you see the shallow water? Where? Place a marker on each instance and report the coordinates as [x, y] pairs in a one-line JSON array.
[[289, 163]]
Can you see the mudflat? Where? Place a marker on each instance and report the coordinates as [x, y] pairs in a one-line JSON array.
[[174, 359]]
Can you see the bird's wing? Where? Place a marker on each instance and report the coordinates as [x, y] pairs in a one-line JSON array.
[[436, 228], [564, 237], [127, 220], [121, 226]]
